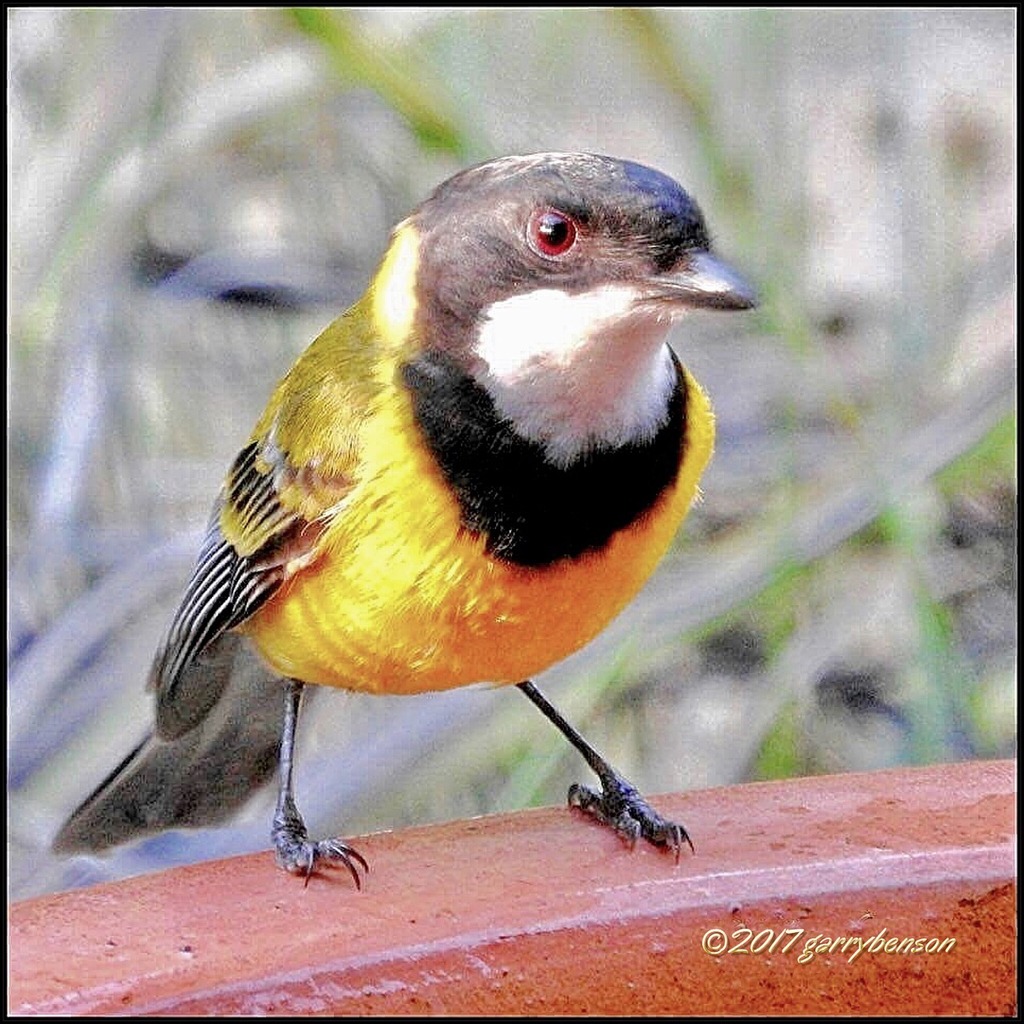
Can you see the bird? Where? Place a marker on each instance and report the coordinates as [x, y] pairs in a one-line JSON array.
[[462, 480]]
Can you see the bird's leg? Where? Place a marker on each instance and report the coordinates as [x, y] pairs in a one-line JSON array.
[[618, 804], [295, 852]]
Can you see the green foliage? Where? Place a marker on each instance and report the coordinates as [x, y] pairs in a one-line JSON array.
[[400, 76], [779, 756], [992, 461]]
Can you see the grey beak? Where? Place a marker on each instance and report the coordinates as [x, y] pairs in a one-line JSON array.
[[704, 281]]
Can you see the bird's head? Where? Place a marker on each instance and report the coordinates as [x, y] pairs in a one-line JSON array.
[[553, 279]]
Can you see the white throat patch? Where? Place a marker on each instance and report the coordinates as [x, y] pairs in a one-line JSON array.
[[572, 371]]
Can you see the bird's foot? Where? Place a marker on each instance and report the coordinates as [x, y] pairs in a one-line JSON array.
[[295, 852], [625, 810]]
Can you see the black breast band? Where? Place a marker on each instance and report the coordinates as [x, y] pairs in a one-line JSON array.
[[531, 512]]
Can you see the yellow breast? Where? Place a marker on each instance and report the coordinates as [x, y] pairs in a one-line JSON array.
[[403, 599]]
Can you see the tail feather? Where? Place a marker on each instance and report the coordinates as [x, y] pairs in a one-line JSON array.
[[198, 778]]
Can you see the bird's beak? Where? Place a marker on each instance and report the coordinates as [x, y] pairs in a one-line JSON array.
[[704, 281]]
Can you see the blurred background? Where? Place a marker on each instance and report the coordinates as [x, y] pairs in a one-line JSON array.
[[193, 195]]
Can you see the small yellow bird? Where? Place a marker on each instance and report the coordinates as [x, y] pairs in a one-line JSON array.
[[463, 479]]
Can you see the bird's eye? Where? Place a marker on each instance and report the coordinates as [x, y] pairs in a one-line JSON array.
[[551, 233]]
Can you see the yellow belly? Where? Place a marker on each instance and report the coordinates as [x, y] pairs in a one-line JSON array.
[[404, 600]]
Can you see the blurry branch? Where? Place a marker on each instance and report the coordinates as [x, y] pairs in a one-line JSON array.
[[63, 247], [358, 60], [116, 175], [46, 673], [230, 105], [52, 190], [77, 424]]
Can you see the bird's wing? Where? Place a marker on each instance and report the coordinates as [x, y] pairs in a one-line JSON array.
[[282, 491]]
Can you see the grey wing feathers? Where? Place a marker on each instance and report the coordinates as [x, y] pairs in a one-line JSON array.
[[223, 592], [226, 586]]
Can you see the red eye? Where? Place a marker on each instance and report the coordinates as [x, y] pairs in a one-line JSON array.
[[551, 233]]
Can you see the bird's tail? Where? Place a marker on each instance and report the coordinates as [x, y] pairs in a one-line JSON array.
[[199, 777]]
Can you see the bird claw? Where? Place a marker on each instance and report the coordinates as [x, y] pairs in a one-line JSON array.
[[296, 853], [620, 806]]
